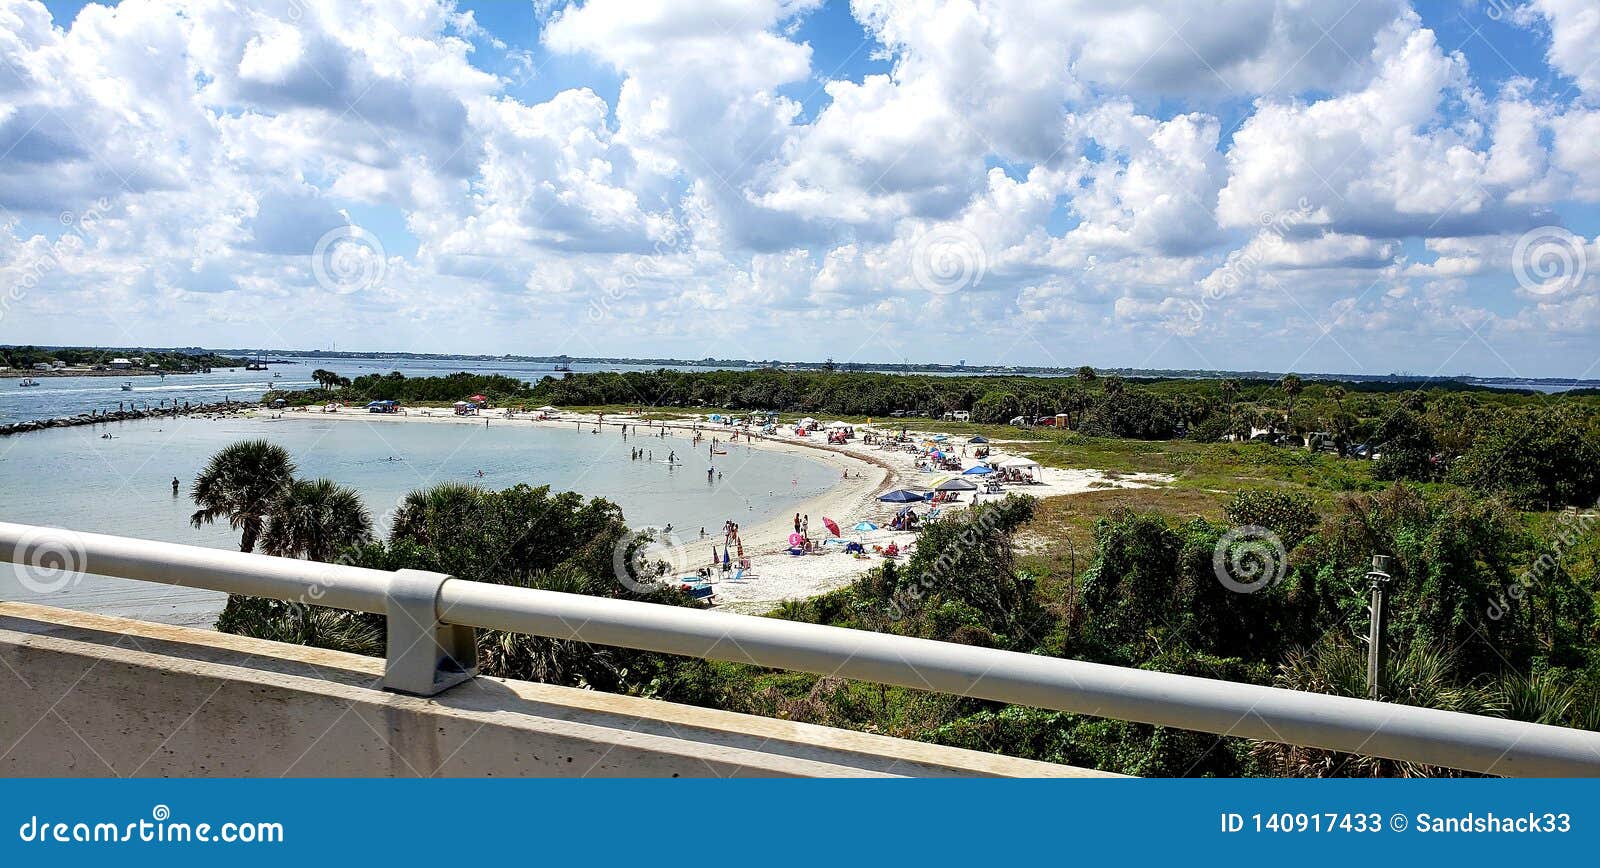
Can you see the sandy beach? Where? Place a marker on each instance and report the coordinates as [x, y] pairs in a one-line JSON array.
[[865, 472]]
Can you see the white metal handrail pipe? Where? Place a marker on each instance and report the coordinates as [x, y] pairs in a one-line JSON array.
[[1400, 732]]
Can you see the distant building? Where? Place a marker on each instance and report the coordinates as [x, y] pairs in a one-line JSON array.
[[120, 364], [41, 366]]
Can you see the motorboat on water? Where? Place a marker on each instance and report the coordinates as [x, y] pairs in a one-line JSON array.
[[28, 381], [127, 387]]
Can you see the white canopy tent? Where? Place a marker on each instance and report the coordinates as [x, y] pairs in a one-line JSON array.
[[1021, 464]]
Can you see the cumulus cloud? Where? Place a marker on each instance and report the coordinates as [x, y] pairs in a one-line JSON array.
[[1114, 183]]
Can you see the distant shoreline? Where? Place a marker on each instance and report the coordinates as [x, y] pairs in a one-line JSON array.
[[70, 372]]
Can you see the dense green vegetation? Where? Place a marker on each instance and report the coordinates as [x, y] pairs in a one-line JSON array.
[[396, 386], [166, 360]]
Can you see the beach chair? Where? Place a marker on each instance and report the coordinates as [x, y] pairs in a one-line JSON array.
[[700, 591]]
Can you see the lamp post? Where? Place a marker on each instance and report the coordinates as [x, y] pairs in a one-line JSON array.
[[1378, 578]]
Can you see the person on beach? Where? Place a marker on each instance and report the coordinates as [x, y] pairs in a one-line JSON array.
[[174, 486], [710, 473], [797, 522]]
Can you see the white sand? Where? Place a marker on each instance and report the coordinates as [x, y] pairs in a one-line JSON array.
[[776, 575]]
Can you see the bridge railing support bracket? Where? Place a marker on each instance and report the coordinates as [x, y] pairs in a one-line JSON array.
[[425, 657]]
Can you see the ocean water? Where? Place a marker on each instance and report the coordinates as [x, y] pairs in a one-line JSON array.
[[75, 478]]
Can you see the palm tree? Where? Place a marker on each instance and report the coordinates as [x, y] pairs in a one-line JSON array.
[[1292, 386], [1230, 394], [1086, 374], [1420, 677], [315, 519], [424, 511], [240, 483]]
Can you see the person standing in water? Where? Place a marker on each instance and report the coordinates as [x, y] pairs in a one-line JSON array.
[[174, 486]]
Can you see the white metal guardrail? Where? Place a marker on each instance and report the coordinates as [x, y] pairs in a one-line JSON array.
[[431, 648]]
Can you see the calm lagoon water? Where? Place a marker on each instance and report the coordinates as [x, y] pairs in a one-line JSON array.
[[73, 478]]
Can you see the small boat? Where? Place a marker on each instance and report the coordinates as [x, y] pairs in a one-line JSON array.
[[127, 387], [563, 367], [28, 381]]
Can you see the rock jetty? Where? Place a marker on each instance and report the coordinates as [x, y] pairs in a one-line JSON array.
[[220, 408]]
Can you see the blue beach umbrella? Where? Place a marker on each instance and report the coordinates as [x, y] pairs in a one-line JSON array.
[[979, 470], [865, 526], [900, 495], [979, 439]]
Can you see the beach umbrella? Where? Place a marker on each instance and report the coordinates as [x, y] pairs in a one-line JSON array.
[[713, 555], [900, 495], [548, 409], [979, 439], [376, 404], [479, 398], [978, 470], [940, 438], [957, 484], [831, 525], [725, 559], [865, 526]]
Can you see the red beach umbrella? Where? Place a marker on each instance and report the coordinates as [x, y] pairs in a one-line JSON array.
[[479, 398], [831, 525]]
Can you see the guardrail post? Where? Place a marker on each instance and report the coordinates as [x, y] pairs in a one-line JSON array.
[[425, 657]]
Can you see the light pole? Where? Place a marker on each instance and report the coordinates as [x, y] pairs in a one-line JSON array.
[[1379, 578]]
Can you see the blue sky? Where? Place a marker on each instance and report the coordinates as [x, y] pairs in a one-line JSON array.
[[1365, 186]]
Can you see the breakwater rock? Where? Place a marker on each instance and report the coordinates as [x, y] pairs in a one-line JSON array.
[[220, 408]]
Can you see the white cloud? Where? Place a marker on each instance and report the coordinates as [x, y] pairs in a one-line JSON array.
[[1106, 169]]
